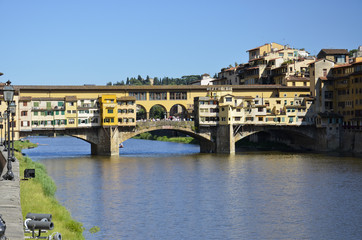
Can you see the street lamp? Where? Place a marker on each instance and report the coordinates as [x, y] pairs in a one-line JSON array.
[[8, 92], [5, 120], [12, 107], [1, 131]]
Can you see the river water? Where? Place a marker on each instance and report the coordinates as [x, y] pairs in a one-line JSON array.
[[162, 190]]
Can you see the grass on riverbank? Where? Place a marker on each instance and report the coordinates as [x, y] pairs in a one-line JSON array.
[[38, 196], [149, 136]]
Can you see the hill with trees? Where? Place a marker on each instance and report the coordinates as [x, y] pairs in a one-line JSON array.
[[184, 80]]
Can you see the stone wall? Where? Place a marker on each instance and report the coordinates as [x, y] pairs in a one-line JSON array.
[[351, 141]]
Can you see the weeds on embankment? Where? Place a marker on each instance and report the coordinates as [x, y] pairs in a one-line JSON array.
[[38, 196]]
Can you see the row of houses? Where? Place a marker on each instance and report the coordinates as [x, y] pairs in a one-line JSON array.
[[72, 112], [222, 107], [337, 89], [334, 78]]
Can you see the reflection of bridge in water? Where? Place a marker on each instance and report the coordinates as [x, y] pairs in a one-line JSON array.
[[212, 139]]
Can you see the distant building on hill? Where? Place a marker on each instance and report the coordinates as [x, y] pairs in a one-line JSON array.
[[205, 80]]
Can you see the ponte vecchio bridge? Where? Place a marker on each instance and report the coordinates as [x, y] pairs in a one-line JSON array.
[[105, 116]]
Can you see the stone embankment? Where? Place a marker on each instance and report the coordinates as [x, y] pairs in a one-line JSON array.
[[10, 207]]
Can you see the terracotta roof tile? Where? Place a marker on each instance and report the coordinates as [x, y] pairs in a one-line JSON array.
[[335, 51]]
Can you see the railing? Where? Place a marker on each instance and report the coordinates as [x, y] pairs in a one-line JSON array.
[[54, 108]]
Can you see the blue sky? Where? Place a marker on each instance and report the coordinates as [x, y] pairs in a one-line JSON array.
[[76, 42]]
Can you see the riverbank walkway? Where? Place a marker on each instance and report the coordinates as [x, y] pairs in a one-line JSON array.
[[10, 207]]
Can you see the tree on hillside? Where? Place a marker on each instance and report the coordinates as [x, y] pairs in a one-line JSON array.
[[351, 52], [147, 80], [118, 83], [156, 81]]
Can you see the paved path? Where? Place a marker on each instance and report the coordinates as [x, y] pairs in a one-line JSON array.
[[10, 207]]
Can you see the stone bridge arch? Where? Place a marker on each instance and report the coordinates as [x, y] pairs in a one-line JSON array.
[[299, 137], [153, 107], [101, 139], [179, 110], [141, 112], [181, 126]]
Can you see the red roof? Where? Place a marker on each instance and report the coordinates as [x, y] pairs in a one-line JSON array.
[[342, 65]]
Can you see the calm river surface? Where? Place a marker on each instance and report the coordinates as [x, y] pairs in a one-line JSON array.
[[161, 190]]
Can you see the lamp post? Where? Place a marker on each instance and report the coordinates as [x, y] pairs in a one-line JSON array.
[[1, 131], [8, 92], [5, 120], [12, 107]]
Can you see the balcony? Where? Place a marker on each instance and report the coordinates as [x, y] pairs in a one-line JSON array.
[[56, 108], [109, 105]]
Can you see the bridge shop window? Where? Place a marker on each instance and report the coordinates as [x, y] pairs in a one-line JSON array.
[[25, 123], [138, 95], [108, 120], [158, 95], [178, 95], [80, 121]]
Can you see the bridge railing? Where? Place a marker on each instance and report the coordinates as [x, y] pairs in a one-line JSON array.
[[142, 124]]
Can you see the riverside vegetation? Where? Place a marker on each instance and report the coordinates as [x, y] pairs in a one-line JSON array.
[[38, 196], [149, 136]]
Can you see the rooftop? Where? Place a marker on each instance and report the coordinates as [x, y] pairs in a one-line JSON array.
[[334, 51]]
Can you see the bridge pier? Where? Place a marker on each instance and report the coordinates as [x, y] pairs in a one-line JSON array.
[[207, 146], [225, 141], [108, 143]]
